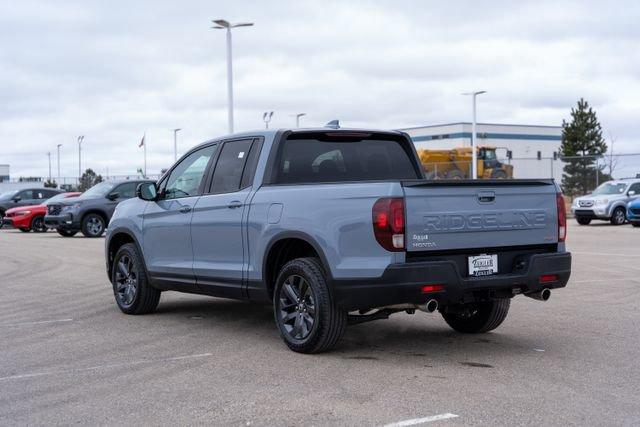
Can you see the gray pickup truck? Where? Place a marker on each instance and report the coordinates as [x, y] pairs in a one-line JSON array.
[[335, 227]]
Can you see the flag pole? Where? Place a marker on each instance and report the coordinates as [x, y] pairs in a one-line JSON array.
[[145, 159]]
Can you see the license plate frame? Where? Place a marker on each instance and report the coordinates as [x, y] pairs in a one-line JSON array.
[[482, 265]]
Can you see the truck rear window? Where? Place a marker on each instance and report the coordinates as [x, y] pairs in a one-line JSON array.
[[313, 159]]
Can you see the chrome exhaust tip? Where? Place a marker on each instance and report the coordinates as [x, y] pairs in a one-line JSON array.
[[542, 295], [431, 306]]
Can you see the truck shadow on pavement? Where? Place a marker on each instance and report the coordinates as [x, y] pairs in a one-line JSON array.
[[405, 339]]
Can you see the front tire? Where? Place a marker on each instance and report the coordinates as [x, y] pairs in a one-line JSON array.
[[131, 288], [635, 224], [619, 216], [93, 225], [306, 315], [37, 225], [583, 221], [66, 233], [480, 317], [24, 229]]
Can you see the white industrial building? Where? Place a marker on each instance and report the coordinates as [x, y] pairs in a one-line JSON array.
[[532, 147]]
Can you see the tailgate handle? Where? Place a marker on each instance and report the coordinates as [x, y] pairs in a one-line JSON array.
[[486, 197]]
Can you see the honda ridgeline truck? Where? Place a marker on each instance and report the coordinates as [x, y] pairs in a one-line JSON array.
[[333, 227]]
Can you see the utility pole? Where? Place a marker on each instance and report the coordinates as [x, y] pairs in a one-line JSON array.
[[474, 153], [266, 117], [59, 182], [80, 141], [222, 24], [175, 144]]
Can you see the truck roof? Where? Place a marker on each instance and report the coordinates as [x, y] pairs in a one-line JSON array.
[[273, 132]]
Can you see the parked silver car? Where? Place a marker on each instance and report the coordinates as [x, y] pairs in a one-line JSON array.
[[608, 202]]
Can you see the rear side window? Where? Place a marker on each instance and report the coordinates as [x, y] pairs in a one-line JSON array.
[[306, 159], [127, 191], [227, 175]]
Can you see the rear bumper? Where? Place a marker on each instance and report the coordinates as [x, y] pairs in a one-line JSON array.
[[64, 222], [402, 283]]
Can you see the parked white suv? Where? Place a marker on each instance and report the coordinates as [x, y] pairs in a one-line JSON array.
[[608, 202]]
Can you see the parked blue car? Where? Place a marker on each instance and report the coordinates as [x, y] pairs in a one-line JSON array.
[[633, 212]]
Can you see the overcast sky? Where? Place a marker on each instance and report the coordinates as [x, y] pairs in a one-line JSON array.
[[112, 70]]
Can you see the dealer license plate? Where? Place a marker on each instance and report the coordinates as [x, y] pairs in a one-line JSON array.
[[483, 265]]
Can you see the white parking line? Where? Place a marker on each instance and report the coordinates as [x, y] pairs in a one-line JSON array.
[[605, 254], [95, 368], [424, 420], [40, 322]]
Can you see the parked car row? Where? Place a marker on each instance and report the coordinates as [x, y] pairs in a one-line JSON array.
[[39, 209], [615, 201]]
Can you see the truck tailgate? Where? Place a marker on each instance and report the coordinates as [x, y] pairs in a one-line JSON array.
[[447, 215]]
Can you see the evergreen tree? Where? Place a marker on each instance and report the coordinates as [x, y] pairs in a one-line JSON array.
[[582, 141], [88, 180]]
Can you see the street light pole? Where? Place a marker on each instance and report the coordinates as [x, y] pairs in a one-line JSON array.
[[222, 24], [59, 145], [474, 153], [298, 118], [49, 156], [80, 141], [175, 143]]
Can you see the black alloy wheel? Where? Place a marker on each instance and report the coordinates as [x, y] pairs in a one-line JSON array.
[[126, 281], [297, 307]]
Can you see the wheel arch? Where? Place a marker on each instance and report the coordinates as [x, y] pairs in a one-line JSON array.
[[286, 246], [118, 238]]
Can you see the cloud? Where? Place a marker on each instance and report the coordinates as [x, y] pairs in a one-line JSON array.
[[114, 70]]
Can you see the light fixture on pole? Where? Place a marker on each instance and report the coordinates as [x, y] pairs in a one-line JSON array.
[[59, 184], [80, 141], [474, 153], [297, 116], [175, 143], [222, 24], [266, 118]]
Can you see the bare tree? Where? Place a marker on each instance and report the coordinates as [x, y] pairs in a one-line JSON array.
[[611, 161]]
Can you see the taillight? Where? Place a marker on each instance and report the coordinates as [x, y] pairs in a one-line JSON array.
[[562, 218], [388, 223]]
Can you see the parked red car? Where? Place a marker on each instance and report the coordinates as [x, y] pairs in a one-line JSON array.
[[27, 218]]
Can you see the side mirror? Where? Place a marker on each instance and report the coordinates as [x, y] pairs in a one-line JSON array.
[[147, 191], [112, 196], [631, 193]]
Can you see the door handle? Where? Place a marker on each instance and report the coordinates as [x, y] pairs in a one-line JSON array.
[[185, 209], [234, 204]]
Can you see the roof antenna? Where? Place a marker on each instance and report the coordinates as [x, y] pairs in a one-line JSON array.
[[333, 124]]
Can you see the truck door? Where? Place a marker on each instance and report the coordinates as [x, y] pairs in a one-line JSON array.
[[217, 225], [167, 221]]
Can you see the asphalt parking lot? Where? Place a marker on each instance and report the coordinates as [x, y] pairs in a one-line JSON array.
[[68, 356]]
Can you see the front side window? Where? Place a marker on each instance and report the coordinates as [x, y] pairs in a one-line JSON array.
[[26, 195], [305, 159], [185, 178]]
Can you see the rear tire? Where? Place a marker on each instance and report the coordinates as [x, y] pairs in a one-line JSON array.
[[37, 224], [131, 288], [66, 233], [93, 225], [24, 229], [635, 224], [619, 216], [306, 315], [583, 221], [480, 317]]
